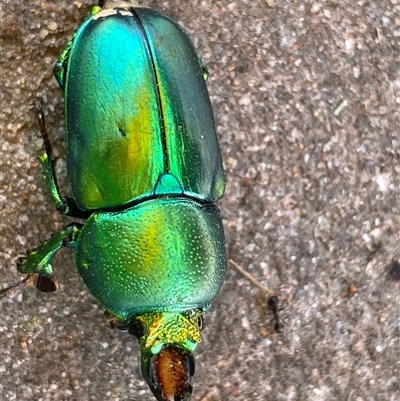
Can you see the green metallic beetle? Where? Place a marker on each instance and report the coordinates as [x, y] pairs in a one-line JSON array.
[[145, 171]]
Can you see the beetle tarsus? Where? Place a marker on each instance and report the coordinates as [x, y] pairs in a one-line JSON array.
[[43, 128], [13, 287], [115, 323], [47, 283]]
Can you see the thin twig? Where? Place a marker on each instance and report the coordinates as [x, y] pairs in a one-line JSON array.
[[273, 300], [250, 278]]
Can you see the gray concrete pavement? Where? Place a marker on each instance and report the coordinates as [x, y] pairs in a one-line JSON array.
[[311, 206]]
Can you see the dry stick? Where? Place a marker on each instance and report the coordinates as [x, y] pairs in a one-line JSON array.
[[273, 300], [250, 278]]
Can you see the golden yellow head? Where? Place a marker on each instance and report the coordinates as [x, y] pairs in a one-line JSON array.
[[166, 341]]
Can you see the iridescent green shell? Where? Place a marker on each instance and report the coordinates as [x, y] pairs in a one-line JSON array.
[[161, 255], [138, 116]]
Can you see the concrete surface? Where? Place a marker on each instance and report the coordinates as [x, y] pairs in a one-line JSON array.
[[311, 207]]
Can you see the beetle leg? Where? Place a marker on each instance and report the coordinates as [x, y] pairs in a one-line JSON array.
[[97, 8], [38, 260], [115, 323], [59, 68], [64, 205], [13, 287]]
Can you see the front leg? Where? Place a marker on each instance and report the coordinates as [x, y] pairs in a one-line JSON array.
[[59, 68], [61, 64], [38, 260]]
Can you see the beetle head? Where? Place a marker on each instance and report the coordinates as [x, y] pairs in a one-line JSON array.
[[167, 340]]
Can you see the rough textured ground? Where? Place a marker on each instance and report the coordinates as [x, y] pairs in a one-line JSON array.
[[311, 206]]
